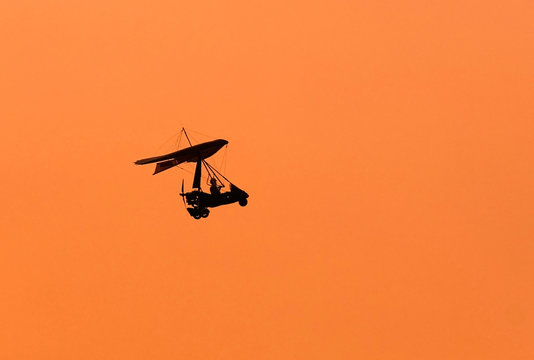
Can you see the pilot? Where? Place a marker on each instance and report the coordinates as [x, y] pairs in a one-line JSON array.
[[214, 188]]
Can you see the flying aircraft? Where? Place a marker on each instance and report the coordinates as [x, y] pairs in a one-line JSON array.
[[198, 200]]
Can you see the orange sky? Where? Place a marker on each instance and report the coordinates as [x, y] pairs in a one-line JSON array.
[[386, 146]]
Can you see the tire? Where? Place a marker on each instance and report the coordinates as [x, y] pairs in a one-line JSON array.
[[204, 213], [243, 202]]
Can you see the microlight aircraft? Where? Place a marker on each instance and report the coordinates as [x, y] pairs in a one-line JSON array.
[[198, 200]]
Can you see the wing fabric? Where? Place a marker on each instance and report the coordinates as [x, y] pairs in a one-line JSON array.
[[192, 154], [162, 166]]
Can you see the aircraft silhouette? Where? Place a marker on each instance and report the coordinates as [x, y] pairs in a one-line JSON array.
[[198, 200]]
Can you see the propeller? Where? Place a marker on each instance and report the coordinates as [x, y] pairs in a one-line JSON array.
[[182, 193]]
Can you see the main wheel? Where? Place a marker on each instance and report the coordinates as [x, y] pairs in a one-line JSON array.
[[243, 202], [196, 216], [204, 213]]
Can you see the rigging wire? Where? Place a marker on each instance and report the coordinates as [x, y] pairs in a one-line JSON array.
[[166, 142], [179, 140], [208, 171], [223, 162], [211, 173], [192, 173], [199, 133], [218, 172]]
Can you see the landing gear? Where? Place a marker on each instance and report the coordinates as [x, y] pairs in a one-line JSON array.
[[243, 202], [198, 213]]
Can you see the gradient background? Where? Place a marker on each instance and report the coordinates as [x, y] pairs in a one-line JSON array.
[[387, 147]]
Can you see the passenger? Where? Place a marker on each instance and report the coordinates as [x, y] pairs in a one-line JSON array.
[[215, 189]]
